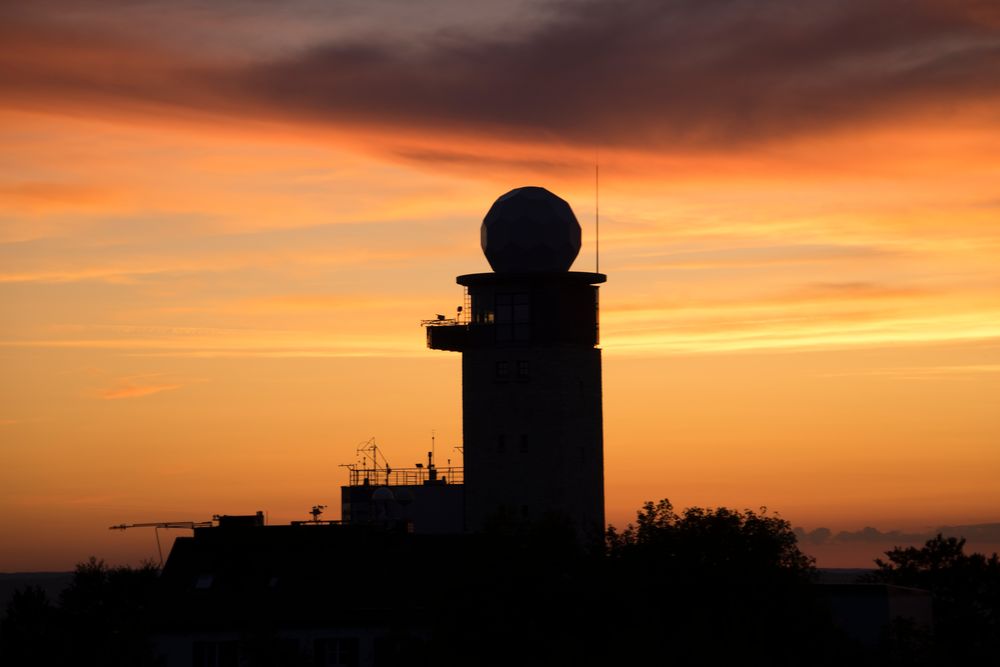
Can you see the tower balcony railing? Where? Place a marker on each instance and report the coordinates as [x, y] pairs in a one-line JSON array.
[[456, 336]]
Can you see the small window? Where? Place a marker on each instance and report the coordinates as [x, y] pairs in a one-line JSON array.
[[503, 370], [336, 652], [215, 653], [501, 443], [522, 369], [524, 443], [204, 581], [524, 511]]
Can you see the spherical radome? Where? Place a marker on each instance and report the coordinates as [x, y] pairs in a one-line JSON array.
[[530, 230]]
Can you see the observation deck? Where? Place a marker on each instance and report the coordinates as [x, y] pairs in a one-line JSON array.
[[521, 309]]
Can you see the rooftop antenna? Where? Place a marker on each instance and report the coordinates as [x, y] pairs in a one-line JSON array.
[[316, 512], [363, 450], [597, 209], [157, 525], [431, 469]]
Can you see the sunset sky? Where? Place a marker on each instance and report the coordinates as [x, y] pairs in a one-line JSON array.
[[221, 224]]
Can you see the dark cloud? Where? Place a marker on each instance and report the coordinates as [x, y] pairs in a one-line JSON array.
[[647, 74], [982, 532], [817, 536]]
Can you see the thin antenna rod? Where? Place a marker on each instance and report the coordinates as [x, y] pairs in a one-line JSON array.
[[597, 211], [159, 549]]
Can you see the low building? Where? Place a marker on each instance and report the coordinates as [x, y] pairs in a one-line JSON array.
[[310, 594]]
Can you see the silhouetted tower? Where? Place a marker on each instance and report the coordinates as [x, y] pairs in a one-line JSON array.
[[531, 370]]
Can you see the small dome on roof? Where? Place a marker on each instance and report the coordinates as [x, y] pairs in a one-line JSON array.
[[404, 496], [530, 229]]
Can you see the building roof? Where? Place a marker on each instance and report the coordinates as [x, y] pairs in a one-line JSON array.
[[301, 575]]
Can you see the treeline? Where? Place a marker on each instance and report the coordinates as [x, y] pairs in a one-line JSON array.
[[104, 617], [700, 587]]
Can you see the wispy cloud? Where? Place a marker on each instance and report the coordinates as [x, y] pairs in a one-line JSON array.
[[137, 386], [65, 260], [759, 256], [930, 372], [160, 341], [816, 332], [819, 315], [53, 195]]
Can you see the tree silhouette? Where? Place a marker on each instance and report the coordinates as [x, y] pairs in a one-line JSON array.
[[965, 590], [103, 618], [721, 544], [107, 613], [30, 634], [710, 585]]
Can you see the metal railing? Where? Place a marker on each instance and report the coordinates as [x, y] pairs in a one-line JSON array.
[[404, 476], [442, 322]]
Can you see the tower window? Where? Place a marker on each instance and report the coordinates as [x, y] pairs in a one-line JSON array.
[[501, 443], [522, 369], [524, 443], [503, 370], [513, 316]]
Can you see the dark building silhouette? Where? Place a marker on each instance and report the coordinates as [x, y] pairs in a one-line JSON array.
[[531, 370], [310, 593]]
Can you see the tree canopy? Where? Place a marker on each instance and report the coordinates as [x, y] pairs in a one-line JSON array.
[[102, 619], [680, 582], [718, 543], [965, 589]]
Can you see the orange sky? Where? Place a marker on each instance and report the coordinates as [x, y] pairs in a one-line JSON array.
[[220, 228]]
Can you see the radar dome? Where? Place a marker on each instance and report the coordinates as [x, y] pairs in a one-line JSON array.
[[530, 230]]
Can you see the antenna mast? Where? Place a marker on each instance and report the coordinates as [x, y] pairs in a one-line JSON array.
[[157, 525], [597, 210]]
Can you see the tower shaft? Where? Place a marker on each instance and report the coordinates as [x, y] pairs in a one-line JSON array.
[[531, 399]]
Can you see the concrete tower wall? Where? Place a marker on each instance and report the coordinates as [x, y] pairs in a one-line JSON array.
[[533, 436]]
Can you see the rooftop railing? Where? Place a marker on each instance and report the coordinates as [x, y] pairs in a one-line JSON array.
[[405, 476]]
